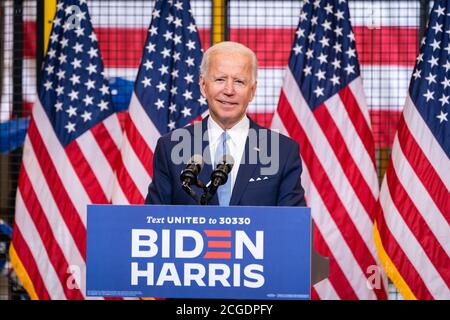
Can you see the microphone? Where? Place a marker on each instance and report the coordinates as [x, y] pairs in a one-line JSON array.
[[220, 175], [189, 175]]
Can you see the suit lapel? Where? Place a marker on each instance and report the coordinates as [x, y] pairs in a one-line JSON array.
[[246, 169], [244, 174]]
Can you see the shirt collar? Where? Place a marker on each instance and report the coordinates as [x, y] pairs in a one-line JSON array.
[[236, 133]]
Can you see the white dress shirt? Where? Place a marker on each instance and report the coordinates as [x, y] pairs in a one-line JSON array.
[[235, 144]]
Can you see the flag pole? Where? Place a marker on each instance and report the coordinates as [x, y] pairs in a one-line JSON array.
[[219, 18], [49, 14]]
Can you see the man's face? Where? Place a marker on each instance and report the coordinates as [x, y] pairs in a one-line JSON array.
[[228, 87]]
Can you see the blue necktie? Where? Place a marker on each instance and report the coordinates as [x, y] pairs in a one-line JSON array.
[[224, 191]]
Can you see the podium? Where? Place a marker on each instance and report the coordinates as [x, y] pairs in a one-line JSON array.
[[205, 252]]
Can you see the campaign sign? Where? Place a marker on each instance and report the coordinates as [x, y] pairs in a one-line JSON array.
[[199, 252]]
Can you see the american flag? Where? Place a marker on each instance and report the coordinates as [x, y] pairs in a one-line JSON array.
[[69, 158], [166, 95], [322, 106], [413, 226]]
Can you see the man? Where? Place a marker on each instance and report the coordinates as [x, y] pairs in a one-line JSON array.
[[228, 75]]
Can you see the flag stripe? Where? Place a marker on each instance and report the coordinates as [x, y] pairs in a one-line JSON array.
[[385, 88], [332, 202], [84, 172], [324, 291], [432, 243], [351, 207], [107, 148], [425, 139], [58, 160], [140, 148], [413, 251], [35, 286], [335, 245], [118, 195], [344, 157], [423, 169], [356, 88], [29, 37], [62, 198], [113, 125], [354, 249], [40, 256], [25, 266], [358, 119], [128, 43], [336, 276], [353, 142], [384, 124], [369, 43], [128, 186], [49, 207], [139, 174], [314, 294], [102, 157], [320, 244], [143, 123], [395, 252], [422, 200], [43, 227], [141, 11], [284, 13]]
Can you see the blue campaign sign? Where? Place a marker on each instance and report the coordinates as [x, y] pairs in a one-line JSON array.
[[199, 252]]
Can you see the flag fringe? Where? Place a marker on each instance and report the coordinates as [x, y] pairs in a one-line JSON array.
[[390, 268], [21, 273]]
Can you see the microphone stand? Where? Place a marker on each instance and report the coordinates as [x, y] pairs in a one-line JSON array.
[[186, 187], [206, 196], [221, 172], [204, 199]]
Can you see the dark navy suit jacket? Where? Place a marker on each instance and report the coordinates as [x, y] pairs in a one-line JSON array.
[[280, 189]]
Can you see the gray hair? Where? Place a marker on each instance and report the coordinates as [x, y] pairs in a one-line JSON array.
[[229, 46]]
